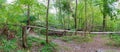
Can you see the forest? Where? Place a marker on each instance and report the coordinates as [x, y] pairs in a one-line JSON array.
[[59, 25]]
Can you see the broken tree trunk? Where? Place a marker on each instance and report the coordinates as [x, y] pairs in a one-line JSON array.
[[24, 37]]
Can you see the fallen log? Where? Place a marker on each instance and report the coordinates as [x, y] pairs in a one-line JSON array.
[[69, 32], [61, 31]]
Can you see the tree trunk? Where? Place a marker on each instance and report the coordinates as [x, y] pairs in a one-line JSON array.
[[85, 28], [92, 13], [24, 37], [47, 21], [86, 24], [75, 18], [60, 15], [104, 22], [68, 28], [28, 14], [104, 14]]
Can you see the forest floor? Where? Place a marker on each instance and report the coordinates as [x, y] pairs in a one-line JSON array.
[[98, 44]]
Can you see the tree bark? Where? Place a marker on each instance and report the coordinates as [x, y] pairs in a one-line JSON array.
[[47, 21], [28, 15], [24, 37], [92, 13], [61, 19], [104, 22], [76, 18], [104, 14], [86, 21]]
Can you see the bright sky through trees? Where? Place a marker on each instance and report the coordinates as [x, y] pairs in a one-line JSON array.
[[53, 10]]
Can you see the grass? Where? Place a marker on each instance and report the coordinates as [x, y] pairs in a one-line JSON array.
[[32, 41], [78, 39], [44, 47], [14, 46], [48, 47], [8, 46], [115, 40]]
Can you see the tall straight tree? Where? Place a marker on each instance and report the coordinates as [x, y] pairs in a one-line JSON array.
[[47, 21], [108, 10], [104, 13], [60, 11], [85, 28], [28, 14], [76, 18], [92, 13]]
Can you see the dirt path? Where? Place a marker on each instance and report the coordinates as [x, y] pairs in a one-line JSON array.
[[97, 45]]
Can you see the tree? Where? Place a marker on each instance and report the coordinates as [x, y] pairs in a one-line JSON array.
[[28, 14], [92, 14], [86, 20], [75, 18], [107, 10], [47, 13], [104, 13], [64, 12]]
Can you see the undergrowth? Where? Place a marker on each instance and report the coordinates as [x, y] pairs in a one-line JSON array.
[[44, 47], [13, 45], [8, 45], [49, 47], [77, 38], [115, 40]]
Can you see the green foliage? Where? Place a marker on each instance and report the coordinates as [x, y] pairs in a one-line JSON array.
[[27, 2], [115, 40], [63, 18], [33, 40], [48, 47], [16, 13], [8, 46], [20, 51], [43, 31]]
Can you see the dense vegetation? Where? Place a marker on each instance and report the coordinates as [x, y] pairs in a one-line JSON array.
[[20, 18]]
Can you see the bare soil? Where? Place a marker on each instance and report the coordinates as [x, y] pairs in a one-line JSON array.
[[97, 45]]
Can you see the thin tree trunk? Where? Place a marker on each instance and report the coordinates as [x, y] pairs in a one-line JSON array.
[[104, 22], [92, 13], [85, 29], [104, 13], [68, 22], [79, 22], [86, 20], [47, 21], [60, 16], [76, 18], [28, 14], [64, 23]]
